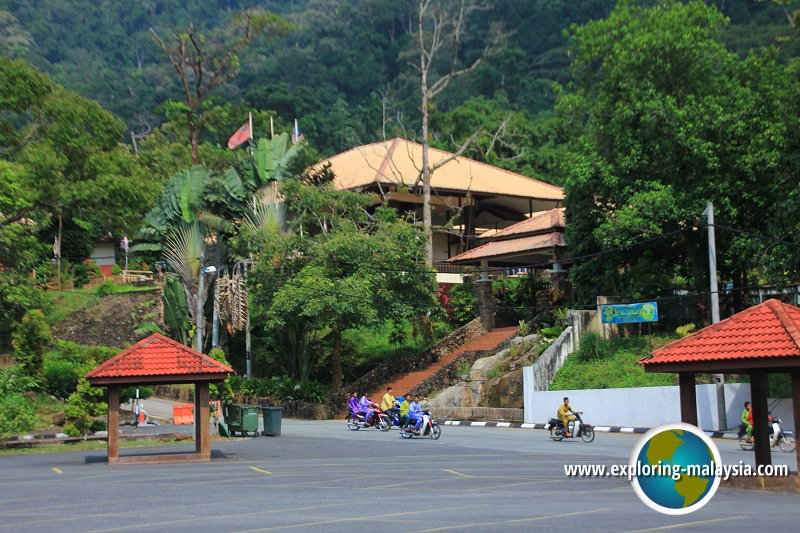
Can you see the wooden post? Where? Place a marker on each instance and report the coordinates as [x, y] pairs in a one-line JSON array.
[[688, 395], [202, 419], [113, 424], [759, 392], [796, 409]]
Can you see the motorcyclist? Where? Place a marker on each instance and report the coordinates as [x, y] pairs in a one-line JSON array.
[[353, 405], [415, 412], [404, 411], [566, 418], [365, 408], [747, 417], [389, 403]]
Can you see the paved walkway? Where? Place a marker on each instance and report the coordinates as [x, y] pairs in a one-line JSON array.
[[406, 382]]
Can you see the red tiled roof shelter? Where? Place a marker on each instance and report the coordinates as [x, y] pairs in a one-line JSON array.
[[157, 360], [760, 340]]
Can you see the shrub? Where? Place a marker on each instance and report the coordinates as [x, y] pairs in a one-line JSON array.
[[106, 288], [30, 339], [463, 303], [552, 332], [82, 273], [83, 409], [524, 328], [17, 415], [61, 377], [116, 270], [464, 368], [593, 347], [684, 330]]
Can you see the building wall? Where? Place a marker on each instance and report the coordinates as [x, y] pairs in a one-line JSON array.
[[103, 254]]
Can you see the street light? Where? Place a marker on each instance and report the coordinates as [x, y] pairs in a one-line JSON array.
[[198, 343]]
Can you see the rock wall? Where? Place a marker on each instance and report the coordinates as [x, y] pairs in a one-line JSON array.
[[292, 409]]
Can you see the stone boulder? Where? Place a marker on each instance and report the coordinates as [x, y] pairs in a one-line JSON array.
[[482, 367], [459, 395]]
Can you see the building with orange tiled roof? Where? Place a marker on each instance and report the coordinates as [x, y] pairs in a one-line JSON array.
[[538, 240], [484, 198]]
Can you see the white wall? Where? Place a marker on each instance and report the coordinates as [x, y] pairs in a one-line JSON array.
[[643, 406]]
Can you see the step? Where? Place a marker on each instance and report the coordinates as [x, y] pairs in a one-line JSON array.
[[405, 382]]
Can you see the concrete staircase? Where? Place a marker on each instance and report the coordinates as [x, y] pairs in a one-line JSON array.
[[406, 382]]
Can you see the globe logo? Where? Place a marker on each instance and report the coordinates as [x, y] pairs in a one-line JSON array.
[[675, 468]]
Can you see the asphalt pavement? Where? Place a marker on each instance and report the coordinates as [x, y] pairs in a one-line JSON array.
[[318, 476]]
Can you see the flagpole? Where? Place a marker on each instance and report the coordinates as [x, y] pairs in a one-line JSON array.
[[271, 128], [59, 251], [251, 125]]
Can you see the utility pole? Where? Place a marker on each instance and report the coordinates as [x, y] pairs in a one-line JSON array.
[[58, 251], [247, 354], [198, 334], [719, 379]]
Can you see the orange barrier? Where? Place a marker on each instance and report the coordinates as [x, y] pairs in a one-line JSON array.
[[183, 414]]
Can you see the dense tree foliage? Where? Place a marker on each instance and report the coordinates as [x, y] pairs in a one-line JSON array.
[[670, 119]]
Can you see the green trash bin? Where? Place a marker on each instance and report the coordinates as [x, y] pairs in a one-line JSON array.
[[249, 419], [233, 418], [272, 421]]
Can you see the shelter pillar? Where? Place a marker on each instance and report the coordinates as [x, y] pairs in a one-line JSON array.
[[759, 393], [202, 420], [113, 423], [688, 395], [796, 409]]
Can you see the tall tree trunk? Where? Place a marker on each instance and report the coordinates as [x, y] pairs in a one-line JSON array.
[[193, 140], [337, 361], [426, 168]]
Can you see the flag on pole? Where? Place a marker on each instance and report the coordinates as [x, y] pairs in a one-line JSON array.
[[56, 247], [296, 135], [125, 243], [242, 134]]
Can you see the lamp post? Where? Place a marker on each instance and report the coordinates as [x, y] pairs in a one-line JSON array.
[[198, 339]]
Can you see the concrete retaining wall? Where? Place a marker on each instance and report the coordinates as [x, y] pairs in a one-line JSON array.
[[644, 406], [542, 372], [478, 413]]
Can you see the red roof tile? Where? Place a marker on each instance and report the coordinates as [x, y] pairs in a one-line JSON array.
[[768, 330], [539, 222], [512, 246], [159, 356]]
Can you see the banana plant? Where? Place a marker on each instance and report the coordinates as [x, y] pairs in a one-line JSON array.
[[273, 157]]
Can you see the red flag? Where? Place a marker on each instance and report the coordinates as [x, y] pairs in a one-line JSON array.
[[241, 135]]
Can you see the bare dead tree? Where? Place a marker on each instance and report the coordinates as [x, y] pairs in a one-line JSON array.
[[202, 65], [441, 27]]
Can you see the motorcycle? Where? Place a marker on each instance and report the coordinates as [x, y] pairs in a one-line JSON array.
[[379, 420], [777, 437], [428, 428], [585, 431]]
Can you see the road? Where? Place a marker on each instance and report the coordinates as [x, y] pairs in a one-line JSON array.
[[318, 476]]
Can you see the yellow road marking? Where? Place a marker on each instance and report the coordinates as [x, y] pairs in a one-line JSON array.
[[267, 472], [456, 473], [517, 521], [57, 470], [687, 524]]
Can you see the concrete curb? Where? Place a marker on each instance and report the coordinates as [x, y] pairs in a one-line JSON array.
[[599, 429]]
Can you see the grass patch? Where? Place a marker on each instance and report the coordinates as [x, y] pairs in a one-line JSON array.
[[616, 369], [68, 302], [88, 445], [370, 347]]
